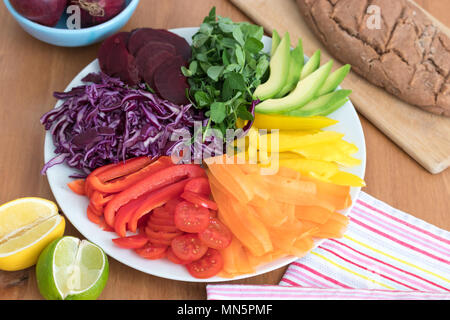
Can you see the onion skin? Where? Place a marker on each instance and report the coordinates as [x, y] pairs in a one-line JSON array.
[[94, 12], [45, 12]]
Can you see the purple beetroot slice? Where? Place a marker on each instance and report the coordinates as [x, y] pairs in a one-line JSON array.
[[152, 64], [170, 83], [145, 55], [182, 46], [121, 64], [140, 37], [108, 45]]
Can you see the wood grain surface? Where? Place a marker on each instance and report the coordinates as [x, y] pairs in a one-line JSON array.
[[31, 70]]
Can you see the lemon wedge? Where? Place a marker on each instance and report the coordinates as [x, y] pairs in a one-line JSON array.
[[27, 226]]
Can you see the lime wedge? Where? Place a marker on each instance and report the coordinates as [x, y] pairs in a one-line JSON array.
[[72, 269]]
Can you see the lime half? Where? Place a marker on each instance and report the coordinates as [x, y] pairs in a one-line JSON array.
[[72, 269]]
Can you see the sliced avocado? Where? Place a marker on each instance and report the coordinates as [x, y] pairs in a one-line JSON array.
[[275, 42], [334, 80], [304, 92], [334, 107], [322, 104], [311, 65], [295, 68], [279, 68]]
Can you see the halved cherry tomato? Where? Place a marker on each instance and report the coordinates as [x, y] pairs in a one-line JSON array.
[[131, 242], [172, 257], [217, 235], [206, 267], [190, 217], [152, 251], [158, 227], [198, 185], [171, 204], [199, 199], [77, 186], [188, 247], [161, 242]]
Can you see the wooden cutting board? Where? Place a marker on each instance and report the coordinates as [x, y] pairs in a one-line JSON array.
[[424, 136]]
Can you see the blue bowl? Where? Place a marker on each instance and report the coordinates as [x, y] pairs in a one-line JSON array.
[[61, 36]]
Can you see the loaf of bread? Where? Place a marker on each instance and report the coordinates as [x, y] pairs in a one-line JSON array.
[[407, 54]]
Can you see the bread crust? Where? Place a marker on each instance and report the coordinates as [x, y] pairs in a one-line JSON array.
[[408, 56]]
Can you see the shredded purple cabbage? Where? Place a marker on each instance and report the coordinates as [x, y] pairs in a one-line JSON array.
[[105, 121]]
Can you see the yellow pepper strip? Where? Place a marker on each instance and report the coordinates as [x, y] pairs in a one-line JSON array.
[[347, 179], [290, 140], [280, 122], [328, 152]]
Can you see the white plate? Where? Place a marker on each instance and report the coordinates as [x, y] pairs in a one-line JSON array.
[[74, 206]]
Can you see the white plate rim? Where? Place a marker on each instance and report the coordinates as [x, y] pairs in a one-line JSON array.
[[61, 193]]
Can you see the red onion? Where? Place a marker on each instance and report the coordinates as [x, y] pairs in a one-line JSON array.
[[46, 12], [94, 12]]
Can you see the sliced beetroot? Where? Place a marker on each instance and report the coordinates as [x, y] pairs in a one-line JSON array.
[[182, 46], [109, 45], [170, 83], [121, 64], [150, 66], [145, 55], [142, 36]]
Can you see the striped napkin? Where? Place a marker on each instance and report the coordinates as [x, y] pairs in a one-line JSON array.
[[385, 254]]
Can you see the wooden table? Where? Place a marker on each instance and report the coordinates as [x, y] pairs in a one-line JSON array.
[[31, 70]]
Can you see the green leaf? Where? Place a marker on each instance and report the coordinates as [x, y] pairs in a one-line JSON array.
[[243, 113], [199, 39], [193, 67], [202, 57], [238, 35], [225, 26], [253, 45], [185, 71], [217, 112], [252, 30], [214, 72], [202, 99], [240, 56], [236, 81], [206, 29], [261, 67]]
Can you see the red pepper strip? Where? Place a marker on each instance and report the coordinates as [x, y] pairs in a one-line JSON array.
[[100, 199], [131, 242], [95, 210], [123, 183], [92, 216], [124, 214], [88, 185], [199, 199], [156, 199], [124, 168], [151, 183], [77, 186]]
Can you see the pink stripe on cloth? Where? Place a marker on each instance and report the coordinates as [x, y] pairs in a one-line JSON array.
[[403, 222], [249, 292], [383, 248]]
